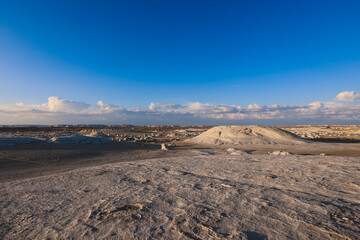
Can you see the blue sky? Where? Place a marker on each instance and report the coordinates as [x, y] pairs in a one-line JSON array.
[[134, 53]]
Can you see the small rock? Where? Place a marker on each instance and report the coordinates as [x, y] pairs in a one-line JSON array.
[[282, 153], [163, 147]]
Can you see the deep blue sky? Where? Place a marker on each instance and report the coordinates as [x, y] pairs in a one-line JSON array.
[[131, 53]]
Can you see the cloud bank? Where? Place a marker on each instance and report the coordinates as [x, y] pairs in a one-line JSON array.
[[348, 96], [345, 108]]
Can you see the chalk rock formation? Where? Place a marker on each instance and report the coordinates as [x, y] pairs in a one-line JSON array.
[[247, 135]]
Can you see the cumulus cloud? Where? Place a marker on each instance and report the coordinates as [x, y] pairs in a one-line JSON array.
[[56, 104], [164, 106], [20, 104], [348, 96], [107, 106], [58, 110], [256, 107], [316, 105]]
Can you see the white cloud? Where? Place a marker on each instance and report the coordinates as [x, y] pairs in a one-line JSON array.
[[348, 96], [20, 104], [256, 107], [164, 106], [106, 106], [316, 105], [197, 107], [57, 110], [152, 106], [56, 104]]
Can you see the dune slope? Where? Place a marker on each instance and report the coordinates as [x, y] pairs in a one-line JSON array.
[[245, 135]]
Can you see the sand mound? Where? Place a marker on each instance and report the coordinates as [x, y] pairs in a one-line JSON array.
[[245, 135], [96, 134]]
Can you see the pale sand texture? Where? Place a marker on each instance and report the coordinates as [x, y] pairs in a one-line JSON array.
[[255, 135], [219, 196]]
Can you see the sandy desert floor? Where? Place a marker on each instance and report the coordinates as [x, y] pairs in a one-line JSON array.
[[192, 191], [34, 160], [221, 196]]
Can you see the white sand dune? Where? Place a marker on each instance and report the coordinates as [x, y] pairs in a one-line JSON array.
[[203, 197], [247, 135]]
